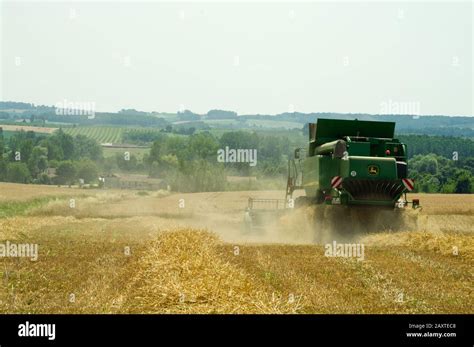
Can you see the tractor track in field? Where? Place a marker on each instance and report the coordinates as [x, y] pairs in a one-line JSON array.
[[388, 280], [385, 282]]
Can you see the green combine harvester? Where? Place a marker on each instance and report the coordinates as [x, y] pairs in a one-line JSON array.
[[348, 162]]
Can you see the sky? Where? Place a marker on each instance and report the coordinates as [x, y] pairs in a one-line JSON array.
[[252, 58]]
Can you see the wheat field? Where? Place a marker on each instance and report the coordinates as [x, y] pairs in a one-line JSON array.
[[123, 252]]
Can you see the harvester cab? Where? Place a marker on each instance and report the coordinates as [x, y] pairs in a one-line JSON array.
[[351, 162]]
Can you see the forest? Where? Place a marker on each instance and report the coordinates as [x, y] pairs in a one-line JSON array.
[[189, 162]]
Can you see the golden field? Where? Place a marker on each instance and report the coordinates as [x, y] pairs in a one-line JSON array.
[[43, 130], [126, 252]]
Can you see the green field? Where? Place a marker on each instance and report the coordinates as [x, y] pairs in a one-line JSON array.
[[100, 134], [138, 152], [7, 134], [113, 135], [273, 124]]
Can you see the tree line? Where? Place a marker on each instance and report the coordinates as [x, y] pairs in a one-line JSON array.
[[434, 173], [55, 159], [405, 123], [190, 163]]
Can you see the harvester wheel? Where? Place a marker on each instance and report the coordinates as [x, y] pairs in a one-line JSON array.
[[302, 201]]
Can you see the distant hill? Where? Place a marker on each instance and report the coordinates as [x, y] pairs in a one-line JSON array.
[[219, 119]]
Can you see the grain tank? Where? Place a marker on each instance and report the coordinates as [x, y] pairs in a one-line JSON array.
[[350, 162]]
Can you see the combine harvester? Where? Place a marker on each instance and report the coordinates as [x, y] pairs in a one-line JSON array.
[[357, 165]]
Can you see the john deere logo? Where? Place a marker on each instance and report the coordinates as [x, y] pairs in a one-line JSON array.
[[373, 170]]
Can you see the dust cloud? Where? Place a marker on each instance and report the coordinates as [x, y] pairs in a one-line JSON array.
[[223, 214], [321, 224]]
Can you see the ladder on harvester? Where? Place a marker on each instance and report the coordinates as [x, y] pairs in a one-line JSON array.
[[295, 174]]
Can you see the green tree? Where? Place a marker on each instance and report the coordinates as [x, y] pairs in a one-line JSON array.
[[3, 169], [66, 173], [126, 162], [424, 164], [2, 146], [463, 182], [203, 146], [38, 162], [18, 173], [167, 166], [199, 176], [87, 170], [55, 151], [109, 164], [65, 142], [85, 147]]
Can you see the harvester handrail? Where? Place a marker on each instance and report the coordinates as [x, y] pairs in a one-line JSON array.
[[267, 203]]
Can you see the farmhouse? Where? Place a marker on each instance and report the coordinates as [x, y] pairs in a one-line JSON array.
[[51, 172]]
